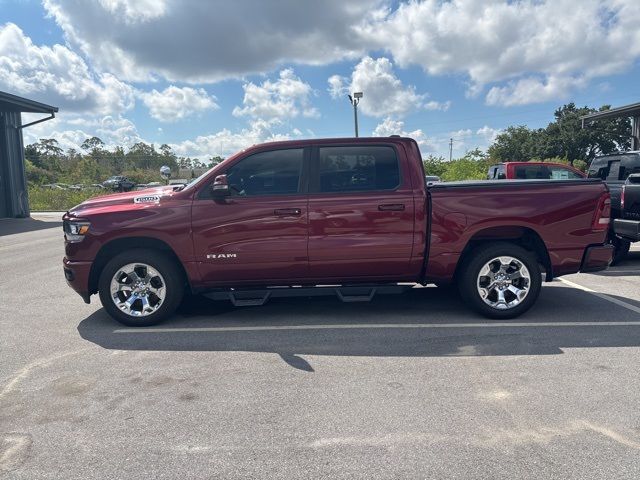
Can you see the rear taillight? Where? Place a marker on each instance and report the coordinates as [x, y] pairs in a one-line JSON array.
[[622, 198], [603, 213]]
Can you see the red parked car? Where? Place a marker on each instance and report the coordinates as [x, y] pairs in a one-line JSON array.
[[533, 171], [282, 218]]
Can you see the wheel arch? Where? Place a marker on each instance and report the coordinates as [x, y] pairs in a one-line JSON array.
[[118, 245], [523, 236]]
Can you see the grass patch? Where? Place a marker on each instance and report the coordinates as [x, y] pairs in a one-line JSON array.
[[47, 199]]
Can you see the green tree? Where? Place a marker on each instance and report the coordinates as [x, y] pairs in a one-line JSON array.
[[32, 154], [473, 166], [434, 165], [565, 137], [50, 154], [515, 144], [93, 144], [49, 147]]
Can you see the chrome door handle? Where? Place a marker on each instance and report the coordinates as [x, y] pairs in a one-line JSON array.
[[393, 207], [287, 211]]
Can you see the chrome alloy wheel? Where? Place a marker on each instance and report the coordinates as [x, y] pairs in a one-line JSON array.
[[503, 282], [138, 289]]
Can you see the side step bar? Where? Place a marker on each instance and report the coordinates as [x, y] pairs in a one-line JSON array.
[[260, 296]]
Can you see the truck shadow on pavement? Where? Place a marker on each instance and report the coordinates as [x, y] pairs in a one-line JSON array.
[[12, 226], [630, 266], [424, 322]]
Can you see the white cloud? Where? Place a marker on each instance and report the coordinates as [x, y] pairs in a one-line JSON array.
[[175, 103], [191, 40], [384, 93], [488, 133], [463, 139], [122, 132], [390, 127], [225, 142], [466, 139], [275, 101], [71, 131], [549, 46], [433, 105], [134, 11], [532, 90], [337, 87], [58, 76]]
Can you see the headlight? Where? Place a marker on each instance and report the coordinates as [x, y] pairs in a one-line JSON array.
[[75, 231]]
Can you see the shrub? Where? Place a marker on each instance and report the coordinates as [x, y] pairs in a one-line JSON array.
[[47, 199]]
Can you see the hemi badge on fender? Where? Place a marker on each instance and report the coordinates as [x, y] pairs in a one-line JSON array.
[[147, 199]]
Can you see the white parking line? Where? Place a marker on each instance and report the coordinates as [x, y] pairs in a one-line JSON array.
[[370, 326], [603, 296]]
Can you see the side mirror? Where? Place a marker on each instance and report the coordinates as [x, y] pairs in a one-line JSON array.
[[634, 178], [502, 176], [220, 187]]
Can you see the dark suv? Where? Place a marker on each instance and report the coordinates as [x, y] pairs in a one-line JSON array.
[[615, 169], [118, 182]]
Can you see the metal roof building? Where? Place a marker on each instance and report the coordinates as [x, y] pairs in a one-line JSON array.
[[632, 111], [13, 183]]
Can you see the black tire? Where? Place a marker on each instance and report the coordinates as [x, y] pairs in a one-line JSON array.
[[475, 260], [166, 266], [620, 250]]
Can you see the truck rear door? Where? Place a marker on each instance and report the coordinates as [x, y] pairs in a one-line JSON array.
[[361, 212]]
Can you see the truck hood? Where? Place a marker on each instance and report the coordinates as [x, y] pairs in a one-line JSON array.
[[126, 200]]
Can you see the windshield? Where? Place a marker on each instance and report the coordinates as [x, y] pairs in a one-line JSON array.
[[197, 180], [194, 181]]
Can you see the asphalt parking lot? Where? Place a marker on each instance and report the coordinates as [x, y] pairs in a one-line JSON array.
[[410, 386]]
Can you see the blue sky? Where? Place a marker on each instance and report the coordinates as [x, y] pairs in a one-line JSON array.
[[210, 79]]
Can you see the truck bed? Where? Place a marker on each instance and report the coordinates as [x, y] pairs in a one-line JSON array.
[[560, 219]]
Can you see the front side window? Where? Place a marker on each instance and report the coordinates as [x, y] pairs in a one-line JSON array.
[[276, 172], [358, 168]]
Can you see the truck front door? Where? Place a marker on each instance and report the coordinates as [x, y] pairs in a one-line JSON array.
[[259, 233]]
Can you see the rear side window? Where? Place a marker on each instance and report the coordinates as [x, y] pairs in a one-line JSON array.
[[559, 173], [531, 172], [276, 172], [630, 171], [358, 168], [605, 169], [630, 165]]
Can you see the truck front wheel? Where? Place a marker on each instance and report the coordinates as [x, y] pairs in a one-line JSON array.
[[500, 280], [141, 287]]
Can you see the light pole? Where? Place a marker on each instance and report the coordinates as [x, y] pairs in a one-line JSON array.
[[355, 100]]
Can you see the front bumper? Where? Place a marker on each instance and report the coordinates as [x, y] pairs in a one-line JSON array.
[[77, 276], [596, 258], [627, 229]]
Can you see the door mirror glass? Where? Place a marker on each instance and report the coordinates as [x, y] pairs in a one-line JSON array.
[[220, 187]]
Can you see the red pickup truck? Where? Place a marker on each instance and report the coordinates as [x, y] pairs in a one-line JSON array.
[[533, 171], [347, 217]]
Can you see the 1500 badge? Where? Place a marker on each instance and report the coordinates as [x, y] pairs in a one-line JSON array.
[[221, 255], [147, 199]]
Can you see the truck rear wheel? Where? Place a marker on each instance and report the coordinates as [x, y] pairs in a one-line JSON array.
[[620, 249], [500, 280], [141, 287]]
